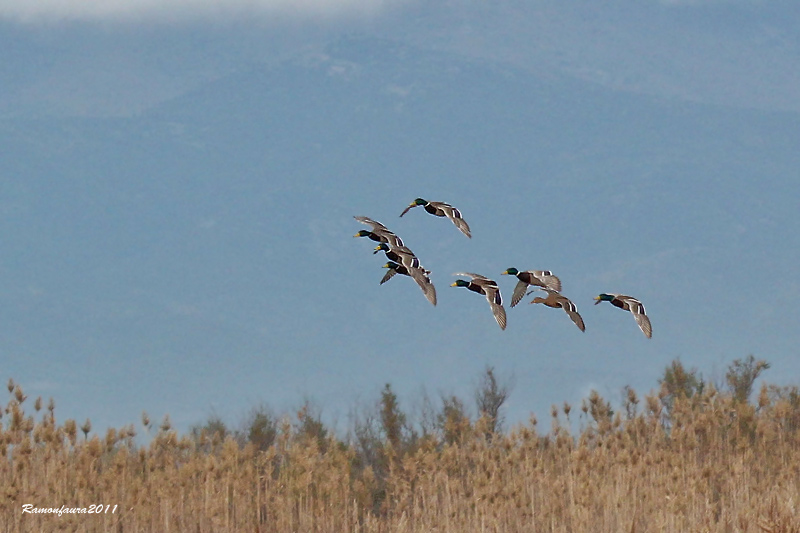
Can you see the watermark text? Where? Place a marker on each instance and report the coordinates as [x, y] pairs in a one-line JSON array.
[[97, 508]]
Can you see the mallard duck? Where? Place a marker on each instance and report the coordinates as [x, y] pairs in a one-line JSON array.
[[441, 209], [417, 274], [537, 278], [487, 287], [379, 233], [629, 303], [555, 300], [399, 254]]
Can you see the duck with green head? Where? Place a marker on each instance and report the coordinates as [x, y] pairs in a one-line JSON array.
[[379, 233], [629, 303], [441, 209], [420, 275], [399, 254], [483, 285], [537, 278]]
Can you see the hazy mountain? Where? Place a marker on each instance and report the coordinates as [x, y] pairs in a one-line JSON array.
[[745, 54]]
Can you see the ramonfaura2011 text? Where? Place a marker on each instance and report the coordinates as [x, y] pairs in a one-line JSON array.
[[92, 509]]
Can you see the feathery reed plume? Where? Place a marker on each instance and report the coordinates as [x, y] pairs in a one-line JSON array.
[[86, 428], [708, 462]]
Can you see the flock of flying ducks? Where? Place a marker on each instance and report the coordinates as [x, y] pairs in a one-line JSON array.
[[403, 261]]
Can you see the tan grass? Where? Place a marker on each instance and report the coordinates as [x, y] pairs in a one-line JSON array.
[[714, 465]]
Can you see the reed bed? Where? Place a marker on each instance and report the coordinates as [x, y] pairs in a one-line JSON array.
[[708, 462]]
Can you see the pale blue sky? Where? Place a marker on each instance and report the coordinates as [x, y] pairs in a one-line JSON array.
[[177, 190]]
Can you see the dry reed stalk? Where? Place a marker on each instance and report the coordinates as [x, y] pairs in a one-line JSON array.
[[714, 465]]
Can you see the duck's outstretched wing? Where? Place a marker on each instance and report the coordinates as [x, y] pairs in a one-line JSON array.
[[572, 311], [519, 292], [454, 215], [374, 224], [407, 209], [644, 324], [639, 314], [492, 292], [496, 304], [421, 277], [499, 315], [548, 279], [472, 275], [462, 225], [390, 273]]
